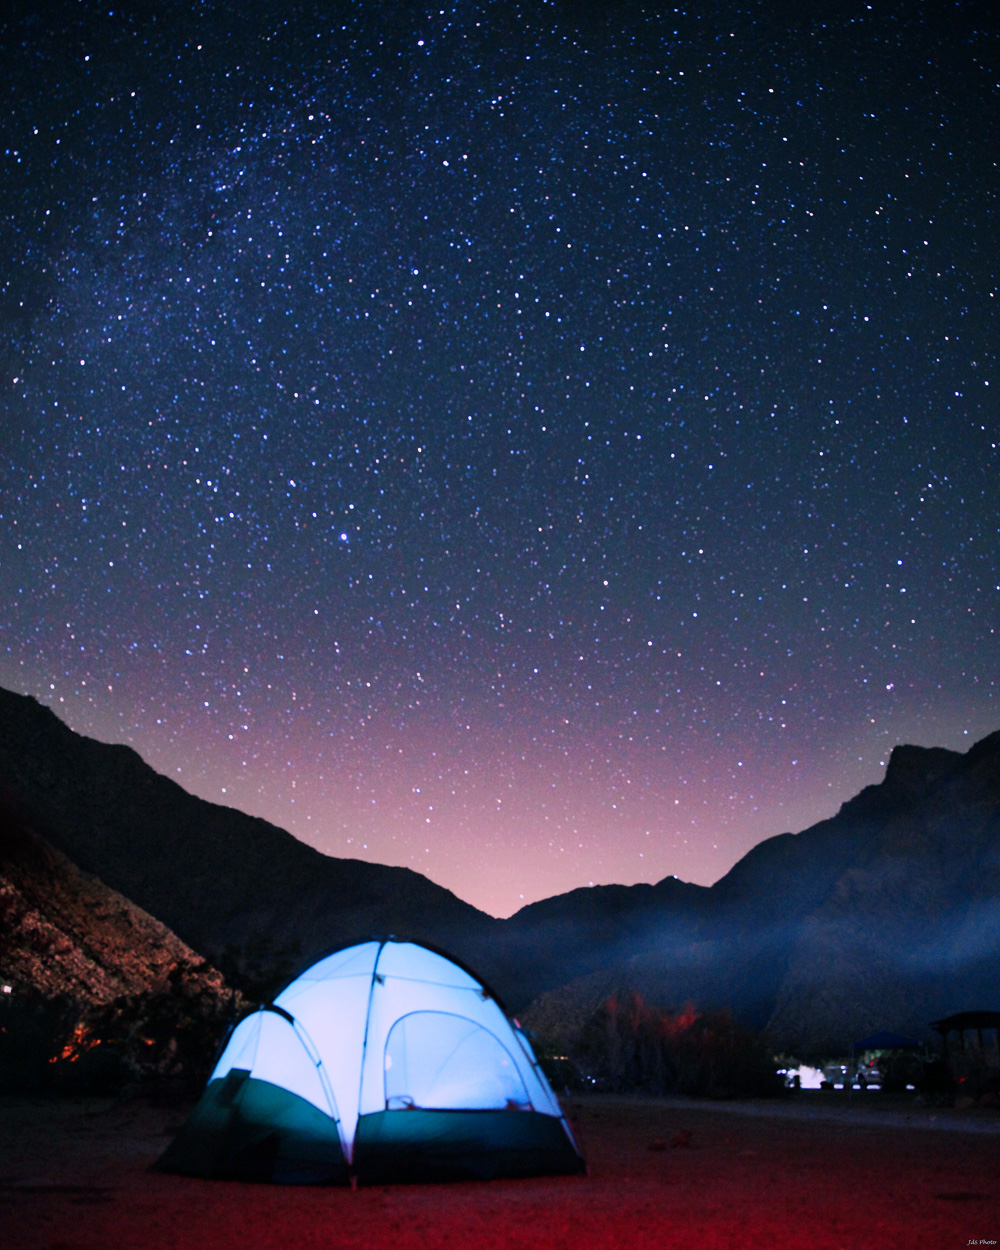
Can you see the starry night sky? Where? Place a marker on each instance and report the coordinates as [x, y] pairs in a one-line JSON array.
[[538, 444]]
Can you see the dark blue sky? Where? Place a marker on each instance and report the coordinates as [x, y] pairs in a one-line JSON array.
[[536, 444]]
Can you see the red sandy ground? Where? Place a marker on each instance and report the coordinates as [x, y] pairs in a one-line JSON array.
[[73, 1176]]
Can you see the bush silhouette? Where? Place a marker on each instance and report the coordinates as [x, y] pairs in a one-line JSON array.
[[628, 1046], [170, 1035]]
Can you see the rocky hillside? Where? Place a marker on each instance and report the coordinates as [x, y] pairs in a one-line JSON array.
[[96, 996], [65, 935]]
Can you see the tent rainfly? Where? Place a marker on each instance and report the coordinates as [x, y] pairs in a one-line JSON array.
[[383, 1062]]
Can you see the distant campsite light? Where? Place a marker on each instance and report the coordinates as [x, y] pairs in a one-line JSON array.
[[8, 989]]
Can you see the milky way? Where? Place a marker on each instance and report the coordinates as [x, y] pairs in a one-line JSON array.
[[536, 444]]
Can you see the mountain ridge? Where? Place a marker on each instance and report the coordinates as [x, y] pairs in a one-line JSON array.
[[885, 915], [116, 817], [889, 908]]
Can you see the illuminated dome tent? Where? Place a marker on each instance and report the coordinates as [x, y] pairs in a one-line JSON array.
[[383, 1062]]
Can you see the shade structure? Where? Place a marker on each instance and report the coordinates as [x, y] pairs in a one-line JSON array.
[[386, 1061]]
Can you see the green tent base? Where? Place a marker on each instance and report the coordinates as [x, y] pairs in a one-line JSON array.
[[393, 1147], [250, 1130]]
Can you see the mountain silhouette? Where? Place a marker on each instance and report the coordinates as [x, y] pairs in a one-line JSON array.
[[885, 915]]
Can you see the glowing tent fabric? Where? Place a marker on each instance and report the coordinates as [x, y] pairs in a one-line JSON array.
[[382, 1062]]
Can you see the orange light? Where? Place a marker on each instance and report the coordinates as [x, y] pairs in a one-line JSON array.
[[79, 1042]]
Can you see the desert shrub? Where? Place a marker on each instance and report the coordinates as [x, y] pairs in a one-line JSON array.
[[167, 1036], [170, 1035], [628, 1046], [260, 968], [561, 1070], [32, 1031]]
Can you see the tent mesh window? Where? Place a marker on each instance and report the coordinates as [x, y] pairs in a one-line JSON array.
[[438, 1061]]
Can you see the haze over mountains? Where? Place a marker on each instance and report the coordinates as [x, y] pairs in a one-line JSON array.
[[885, 916]]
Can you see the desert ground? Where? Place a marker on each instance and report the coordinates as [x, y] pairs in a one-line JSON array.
[[824, 1172]]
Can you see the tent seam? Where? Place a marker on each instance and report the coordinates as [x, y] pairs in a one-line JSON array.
[[364, 1041]]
